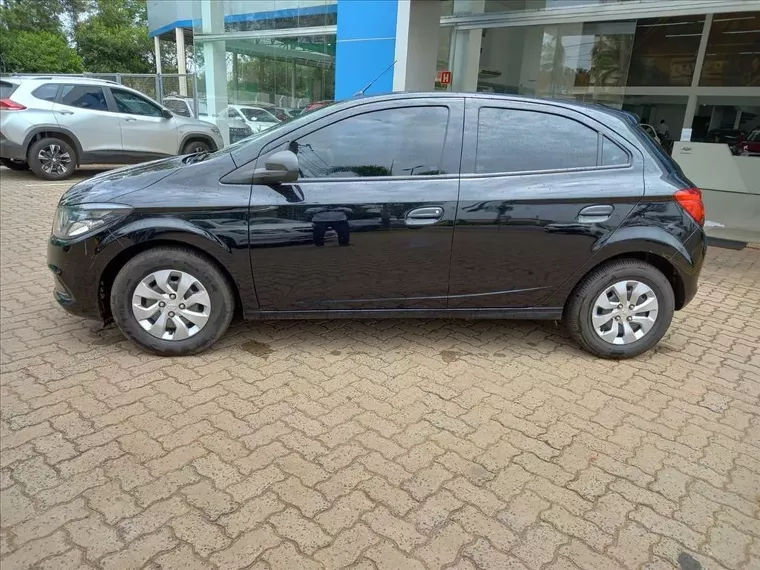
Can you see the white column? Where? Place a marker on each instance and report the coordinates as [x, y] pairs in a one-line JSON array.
[[179, 34], [691, 104], [215, 63], [157, 49], [417, 28], [465, 65]]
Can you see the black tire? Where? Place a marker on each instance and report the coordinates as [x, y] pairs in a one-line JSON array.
[[14, 164], [579, 308], [39, 169], [178, 259], [194, 147]]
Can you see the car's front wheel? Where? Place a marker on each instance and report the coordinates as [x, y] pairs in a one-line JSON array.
[[194, 147], [620, 309], [14, 163], [52, 159], [172, 301]]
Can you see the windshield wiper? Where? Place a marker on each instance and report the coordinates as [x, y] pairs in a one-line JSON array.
[[197, 157]]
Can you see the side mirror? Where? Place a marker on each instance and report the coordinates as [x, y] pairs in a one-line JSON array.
[[166, 114], [279, 167]]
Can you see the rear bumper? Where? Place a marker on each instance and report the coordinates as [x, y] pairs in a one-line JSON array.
[[10, 149], [696, 245]]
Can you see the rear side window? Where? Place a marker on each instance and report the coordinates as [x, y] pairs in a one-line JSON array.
[[46, 92], [511, 140], [613, 154], [177, 107], [89, 97], [6, 89]]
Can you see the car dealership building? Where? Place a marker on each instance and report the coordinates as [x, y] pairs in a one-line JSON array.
[[694, 64]]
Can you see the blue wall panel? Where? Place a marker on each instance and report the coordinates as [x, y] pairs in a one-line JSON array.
[[366, 46]]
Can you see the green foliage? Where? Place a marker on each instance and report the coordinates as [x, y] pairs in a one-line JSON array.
[[115, 38], [108, 36], [38, 52]]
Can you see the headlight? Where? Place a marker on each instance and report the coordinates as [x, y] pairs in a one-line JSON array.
[[80, 219]]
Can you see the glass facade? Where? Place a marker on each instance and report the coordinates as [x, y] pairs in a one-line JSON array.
[[276, 56]]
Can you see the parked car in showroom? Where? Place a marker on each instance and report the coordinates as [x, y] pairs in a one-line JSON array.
[[257, 118], [462, 213], [185, 106], [54, 124], [750, 146]]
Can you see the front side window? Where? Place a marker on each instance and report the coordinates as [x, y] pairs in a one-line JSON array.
[[511, 140], [132, 104], [89, 97], [393, 142]]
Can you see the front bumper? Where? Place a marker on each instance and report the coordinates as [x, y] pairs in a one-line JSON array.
[[76, 283]]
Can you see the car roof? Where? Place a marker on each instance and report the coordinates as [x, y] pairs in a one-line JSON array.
[[60, 79], [583, 107]]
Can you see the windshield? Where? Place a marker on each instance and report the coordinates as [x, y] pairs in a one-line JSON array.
[[754, 135], [258, 114]]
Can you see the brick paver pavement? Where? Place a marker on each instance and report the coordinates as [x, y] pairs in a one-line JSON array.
[[386, 445]]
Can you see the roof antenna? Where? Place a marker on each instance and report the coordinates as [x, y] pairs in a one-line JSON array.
[[371, 83]]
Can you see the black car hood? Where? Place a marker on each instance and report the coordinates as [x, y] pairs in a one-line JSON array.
[[108, 186]]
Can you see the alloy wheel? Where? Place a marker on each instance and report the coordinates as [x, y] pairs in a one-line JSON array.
[[625, 312], [54, 160], [171, 305]]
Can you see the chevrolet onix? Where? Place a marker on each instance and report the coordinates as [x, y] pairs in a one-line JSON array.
[[403, 205]]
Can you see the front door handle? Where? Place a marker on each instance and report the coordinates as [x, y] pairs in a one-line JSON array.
[[424, 216], [130, 120], [596, 214], [65, 112]]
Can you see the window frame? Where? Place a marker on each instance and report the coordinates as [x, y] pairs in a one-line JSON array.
[[452, 144], [106, 96], [110, 91], [472, 116]]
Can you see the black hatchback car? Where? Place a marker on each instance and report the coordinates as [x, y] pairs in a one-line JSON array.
[[403, 205]]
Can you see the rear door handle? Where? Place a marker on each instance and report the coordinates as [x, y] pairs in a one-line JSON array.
[[424, 216], [65, 112], [596, 214], [130, 120]]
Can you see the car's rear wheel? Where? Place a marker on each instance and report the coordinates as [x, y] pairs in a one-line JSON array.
[[14, 163], [194, 147], [620, 309], [52, 159], [172, 301]]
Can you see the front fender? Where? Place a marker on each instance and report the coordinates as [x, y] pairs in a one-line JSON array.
[[229, 251]]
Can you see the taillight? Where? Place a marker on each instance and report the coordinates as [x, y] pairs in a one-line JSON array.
[[691, 201], [8, 105]]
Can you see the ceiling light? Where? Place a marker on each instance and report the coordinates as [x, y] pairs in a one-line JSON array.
[[743, 32], [681, 35]]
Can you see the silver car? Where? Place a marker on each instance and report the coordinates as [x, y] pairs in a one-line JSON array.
[[53, 124]]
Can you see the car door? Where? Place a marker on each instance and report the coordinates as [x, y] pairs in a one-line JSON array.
[[145, 132], [369, 223], [83, 110], [542, 187]]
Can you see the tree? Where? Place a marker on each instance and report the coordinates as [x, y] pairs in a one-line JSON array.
[[32, 39], [114, 39]]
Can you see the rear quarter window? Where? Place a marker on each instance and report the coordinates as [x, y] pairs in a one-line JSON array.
[[6, 89], [46, 92]]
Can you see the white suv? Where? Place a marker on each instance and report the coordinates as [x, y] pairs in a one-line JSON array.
[[54, 124]]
